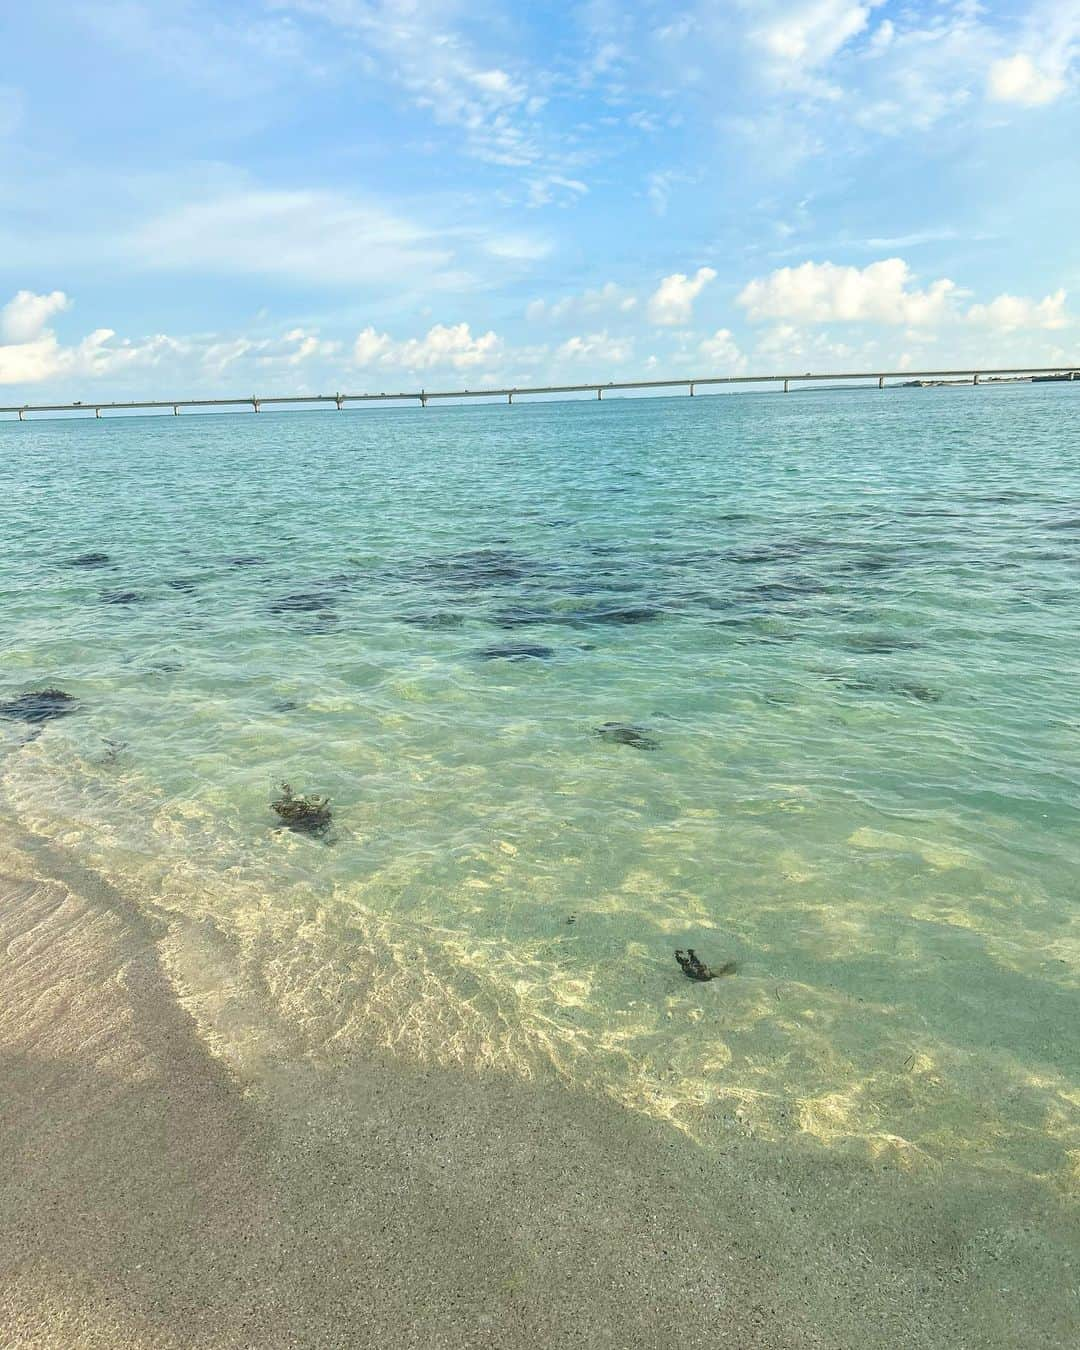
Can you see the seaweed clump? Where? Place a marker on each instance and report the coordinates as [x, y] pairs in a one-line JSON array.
[[624, 733], [695, 969], [306, 815]]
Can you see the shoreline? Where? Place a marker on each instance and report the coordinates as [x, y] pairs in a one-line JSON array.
[[153, 1196]]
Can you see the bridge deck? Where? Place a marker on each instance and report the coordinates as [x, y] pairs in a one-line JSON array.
[[424, 396]]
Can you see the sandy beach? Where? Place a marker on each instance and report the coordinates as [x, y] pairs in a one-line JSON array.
[[152, 1196]]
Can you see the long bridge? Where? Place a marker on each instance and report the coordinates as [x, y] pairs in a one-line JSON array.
[[423, 396]]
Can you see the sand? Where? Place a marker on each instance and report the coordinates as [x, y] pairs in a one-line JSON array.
[[152, 1195]]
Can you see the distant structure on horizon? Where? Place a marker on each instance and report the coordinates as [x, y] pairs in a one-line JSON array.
[[909, 379]]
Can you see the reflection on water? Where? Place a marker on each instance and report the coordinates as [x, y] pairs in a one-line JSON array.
[[843, 626]]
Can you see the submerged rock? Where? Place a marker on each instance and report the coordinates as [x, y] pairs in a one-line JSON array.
[[246, 560], [873, 643], [516, 652], [625, 733], [441, 619], [39, 706], [90, 560], [122, 598], [303, 602], [694, 969], [306, 815], [623, 615], [472, 570]]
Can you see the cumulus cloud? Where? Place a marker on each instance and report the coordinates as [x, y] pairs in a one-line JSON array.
[[1010, 312], [607, 299], [23, 318], [442, 347], [822, 292], [1017, 79], [721, 352], [99, 353], [596, 347], [672, 303], [31, 353]]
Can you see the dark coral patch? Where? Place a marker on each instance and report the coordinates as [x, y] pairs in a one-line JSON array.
[[516, 652], [41, 705], [90, 560], [625, 733], [122, 598], [301, 602], [620, 615]]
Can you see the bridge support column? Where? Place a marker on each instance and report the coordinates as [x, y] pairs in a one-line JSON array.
[[423, 399], [881, 381], [691, 389], [600, 394], [785, 386], [339, 401], [176, 410], [975, 378], [97, 412], [510, 398], [255, 405], [20, 414]]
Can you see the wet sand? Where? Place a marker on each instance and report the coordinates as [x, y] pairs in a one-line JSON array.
[[151, 1195]]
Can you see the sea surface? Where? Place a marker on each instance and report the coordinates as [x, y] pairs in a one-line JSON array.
[[793, 681]]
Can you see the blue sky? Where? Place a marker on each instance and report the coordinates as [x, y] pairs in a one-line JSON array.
[[313, 195]]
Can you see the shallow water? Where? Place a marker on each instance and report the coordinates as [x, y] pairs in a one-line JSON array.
[[839, 632]]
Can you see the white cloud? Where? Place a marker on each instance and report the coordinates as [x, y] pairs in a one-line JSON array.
[[99, 353], [442, 347], [799, 37], [31, 353], [721, 351], [595, 348], [1017, 79], [825, 292], [607, 299], [787, 347], [554, 187], [315, 237], [442, 73], [672, 303], [1008, 313], [23, 318]]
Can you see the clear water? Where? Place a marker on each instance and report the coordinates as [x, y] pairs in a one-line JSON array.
[[846, 622]]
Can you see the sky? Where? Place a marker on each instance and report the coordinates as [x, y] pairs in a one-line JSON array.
[[310, 196]]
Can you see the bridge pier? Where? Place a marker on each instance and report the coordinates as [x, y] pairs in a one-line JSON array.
[[255, 405], [339, 401], [786, 386], [176, 410], [975, 378], [21, 411], [97, 412], [881, 381], [423, 399], [691, 388], [510, 398], [600, 394]]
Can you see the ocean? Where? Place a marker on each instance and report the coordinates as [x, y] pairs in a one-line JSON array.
[[789, 680]]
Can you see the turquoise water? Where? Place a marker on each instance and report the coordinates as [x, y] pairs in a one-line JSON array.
[[839, 630]]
